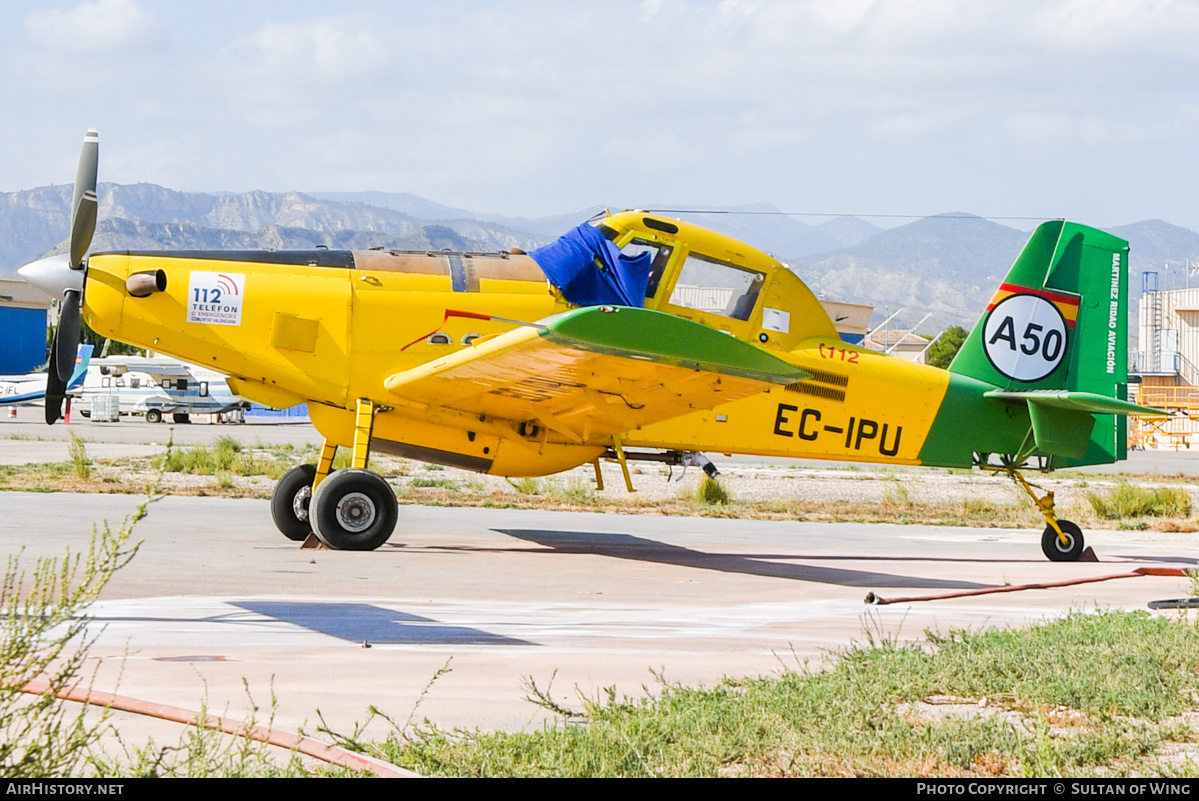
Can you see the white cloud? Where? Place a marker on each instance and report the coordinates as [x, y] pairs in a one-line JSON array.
[[326, 49], [1119, 28], [491, 103], [94, 26]]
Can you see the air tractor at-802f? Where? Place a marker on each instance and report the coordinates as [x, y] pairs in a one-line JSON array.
[[631, 335]]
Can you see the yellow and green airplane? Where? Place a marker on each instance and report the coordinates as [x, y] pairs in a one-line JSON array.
[[633, 336]]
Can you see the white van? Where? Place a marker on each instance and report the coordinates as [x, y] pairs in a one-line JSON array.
[[156, 387]]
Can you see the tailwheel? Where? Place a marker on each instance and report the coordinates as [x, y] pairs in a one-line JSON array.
[[353, 510], [290, 501], [1069, 546], [1058, 551]]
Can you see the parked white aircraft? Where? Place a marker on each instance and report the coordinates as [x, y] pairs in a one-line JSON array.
[[16, 389]]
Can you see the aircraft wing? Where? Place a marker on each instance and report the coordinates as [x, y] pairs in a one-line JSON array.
[[593, 372], [26, 397]]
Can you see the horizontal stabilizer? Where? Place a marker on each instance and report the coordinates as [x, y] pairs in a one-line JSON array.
[[1080, 401], [1062, 420]]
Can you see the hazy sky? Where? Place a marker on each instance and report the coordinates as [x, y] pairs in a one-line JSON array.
[[1087, 109]]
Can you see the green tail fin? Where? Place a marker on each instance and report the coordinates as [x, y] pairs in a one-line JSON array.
[[1059, 322]]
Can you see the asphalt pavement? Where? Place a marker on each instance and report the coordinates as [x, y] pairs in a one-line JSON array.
[[217, 602], [219, 609]]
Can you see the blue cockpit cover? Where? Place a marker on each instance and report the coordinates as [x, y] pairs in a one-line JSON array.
[[590, 271]]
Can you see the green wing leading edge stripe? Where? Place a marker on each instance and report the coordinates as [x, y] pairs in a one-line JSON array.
[[653, 336]]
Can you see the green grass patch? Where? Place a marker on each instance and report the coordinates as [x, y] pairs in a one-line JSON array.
[[576, 493], [527, 486], [712, 492], [342, 459], [81, 463], [225, 459], [896, 494], [1088, 694], [437, 483], [1129, 500]]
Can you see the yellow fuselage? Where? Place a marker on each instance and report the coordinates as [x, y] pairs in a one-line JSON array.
[[330, 332]]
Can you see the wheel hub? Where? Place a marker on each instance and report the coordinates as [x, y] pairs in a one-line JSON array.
[[355, 512], [299, 504], [1064, 548]]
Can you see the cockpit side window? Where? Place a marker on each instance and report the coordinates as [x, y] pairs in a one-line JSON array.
[[712, 286], [660, 255]]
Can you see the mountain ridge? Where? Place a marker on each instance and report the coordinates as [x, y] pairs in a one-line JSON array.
[[947, 264]]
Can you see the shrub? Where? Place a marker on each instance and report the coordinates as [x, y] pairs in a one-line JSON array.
[[81, 463], [527, 486], [1128, 500], [43, 636], [712, 492]]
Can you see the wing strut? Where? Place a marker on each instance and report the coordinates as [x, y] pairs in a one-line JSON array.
[[624, 463]]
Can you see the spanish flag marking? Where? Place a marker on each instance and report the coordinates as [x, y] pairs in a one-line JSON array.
[[1066, 304]]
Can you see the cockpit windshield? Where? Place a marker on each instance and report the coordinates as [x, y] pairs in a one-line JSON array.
[[659, 254], [712, 286]]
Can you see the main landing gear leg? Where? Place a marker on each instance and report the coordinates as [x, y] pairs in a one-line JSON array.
[[364, 426], [350, 510], [1062, 540], [324, 465]]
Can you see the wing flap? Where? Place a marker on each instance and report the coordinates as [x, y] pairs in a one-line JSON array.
[[593, 372]]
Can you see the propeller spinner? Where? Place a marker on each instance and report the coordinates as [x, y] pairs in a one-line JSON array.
[[63, 276]]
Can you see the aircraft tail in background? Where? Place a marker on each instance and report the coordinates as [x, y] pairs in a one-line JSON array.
[[32, 387]]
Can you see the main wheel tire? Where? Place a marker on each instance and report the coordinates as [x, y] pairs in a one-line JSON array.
[[290, 502], [1055, 550], [353, 510], [153, 416]]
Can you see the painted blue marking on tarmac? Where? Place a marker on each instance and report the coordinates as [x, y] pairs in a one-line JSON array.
[[374, 624]]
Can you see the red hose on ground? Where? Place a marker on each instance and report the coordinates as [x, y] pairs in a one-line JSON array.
[[876, 600], [293, 742]]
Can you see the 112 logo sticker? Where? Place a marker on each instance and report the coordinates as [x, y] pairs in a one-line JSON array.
[[215, 298]]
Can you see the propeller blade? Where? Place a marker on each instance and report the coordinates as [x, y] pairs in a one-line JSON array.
[[83, 225], [49, 275], [83, 202], [56, 388], [66, 339]]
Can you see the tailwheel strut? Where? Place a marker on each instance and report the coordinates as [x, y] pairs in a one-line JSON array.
[[1062, 540]]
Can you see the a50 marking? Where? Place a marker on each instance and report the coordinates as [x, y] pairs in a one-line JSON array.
[[1025, 337], [1031, 342]]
